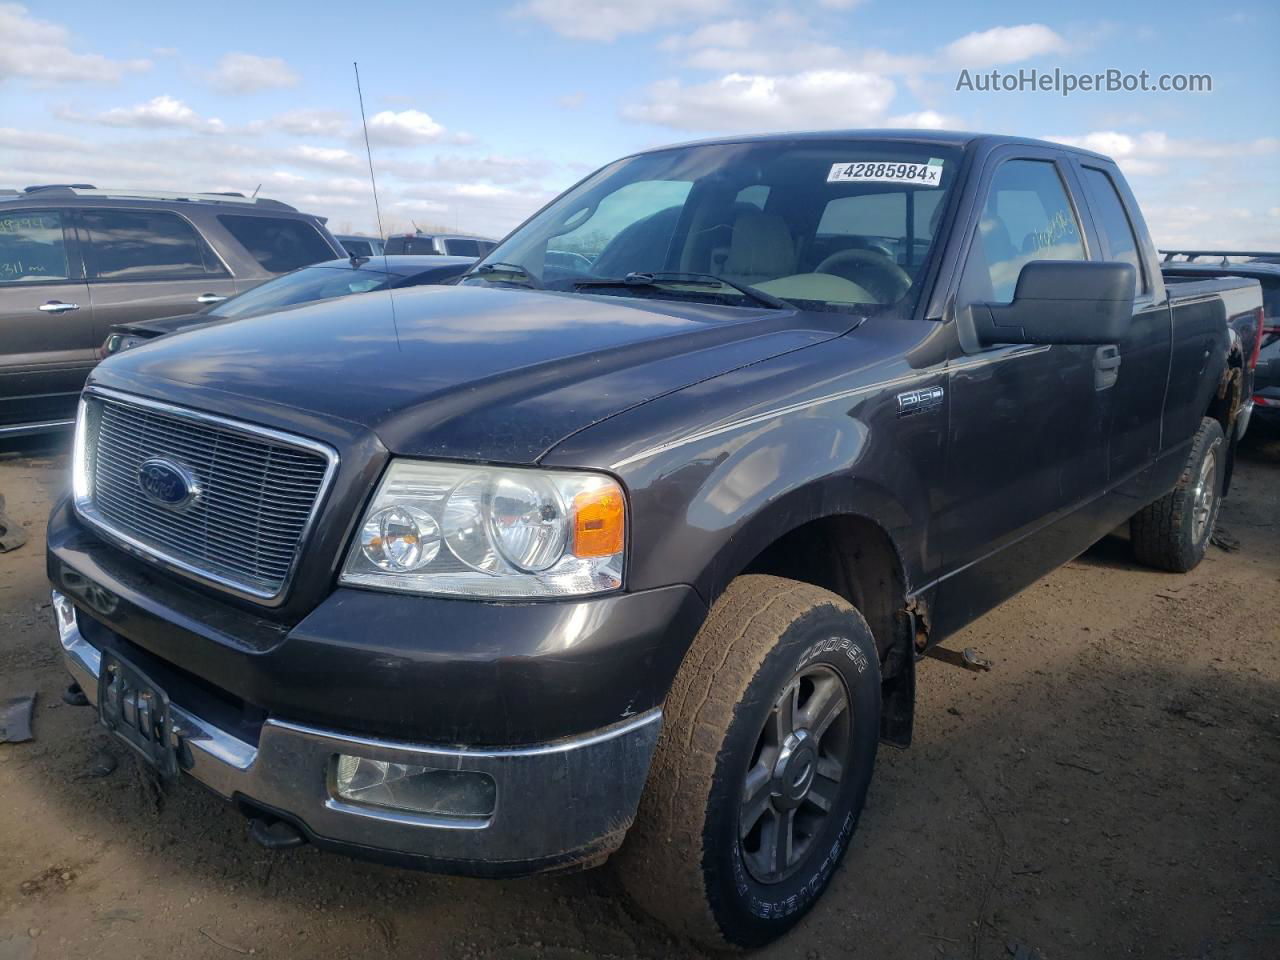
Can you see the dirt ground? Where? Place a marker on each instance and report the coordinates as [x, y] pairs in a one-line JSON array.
[[1110, 789]]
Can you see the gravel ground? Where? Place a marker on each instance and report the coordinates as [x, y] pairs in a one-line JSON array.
[[1110, 789]]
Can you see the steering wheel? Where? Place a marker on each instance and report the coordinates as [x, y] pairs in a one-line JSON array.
[[871, 270]]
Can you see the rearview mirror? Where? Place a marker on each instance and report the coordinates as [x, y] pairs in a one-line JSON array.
[[1061, 301]]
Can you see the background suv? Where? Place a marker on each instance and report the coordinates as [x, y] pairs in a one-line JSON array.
[[75, 260]]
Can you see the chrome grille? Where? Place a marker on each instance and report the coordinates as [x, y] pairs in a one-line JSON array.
[[257, 491]]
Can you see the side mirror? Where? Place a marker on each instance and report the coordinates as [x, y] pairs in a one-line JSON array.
[[1061, 301]]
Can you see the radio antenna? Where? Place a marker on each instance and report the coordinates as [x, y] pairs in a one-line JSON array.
[[368, 151], [377, 209]]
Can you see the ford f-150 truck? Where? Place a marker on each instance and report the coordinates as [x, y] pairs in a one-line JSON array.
[[639, 531]]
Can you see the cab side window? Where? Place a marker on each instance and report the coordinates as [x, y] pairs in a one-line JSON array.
[[32, 247], [1111, 219], [1027, 216]]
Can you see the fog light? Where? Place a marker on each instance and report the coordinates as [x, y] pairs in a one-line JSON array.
[[405, 786]]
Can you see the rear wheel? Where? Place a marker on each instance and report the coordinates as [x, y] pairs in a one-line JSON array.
[[1173, 533], [768, 744]]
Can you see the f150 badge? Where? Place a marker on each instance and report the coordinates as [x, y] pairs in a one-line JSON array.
[[918, 401]]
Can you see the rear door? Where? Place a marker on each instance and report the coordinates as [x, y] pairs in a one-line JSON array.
[[143, 264], [1142, 358], [47, 336]]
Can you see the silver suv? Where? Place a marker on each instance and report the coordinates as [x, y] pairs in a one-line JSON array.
[[445, 244]]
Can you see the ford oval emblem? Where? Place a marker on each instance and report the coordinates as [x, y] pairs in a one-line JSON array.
[[167, 483]]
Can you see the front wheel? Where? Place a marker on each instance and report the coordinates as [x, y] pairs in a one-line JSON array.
[[1173, 533], [768, 743]]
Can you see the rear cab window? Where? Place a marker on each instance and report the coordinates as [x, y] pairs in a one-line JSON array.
[[409, 245], [127, 244], [462, 247], [33, 247], [278, 244]]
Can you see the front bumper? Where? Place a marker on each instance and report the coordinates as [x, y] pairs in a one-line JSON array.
[[559, 804]]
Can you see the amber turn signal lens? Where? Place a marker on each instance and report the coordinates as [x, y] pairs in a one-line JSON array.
[[599, 520]]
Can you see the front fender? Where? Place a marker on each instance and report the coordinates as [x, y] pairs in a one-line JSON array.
[[719, 471], [704, 510]]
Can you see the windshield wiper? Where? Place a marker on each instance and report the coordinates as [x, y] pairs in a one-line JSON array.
[[664, 278], [511, 269]]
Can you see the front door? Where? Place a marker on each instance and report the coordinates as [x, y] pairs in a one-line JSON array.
[[1028, 429], [47, 337]]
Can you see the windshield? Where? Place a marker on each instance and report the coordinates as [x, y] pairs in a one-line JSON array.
[[302, 286], [826, 225]]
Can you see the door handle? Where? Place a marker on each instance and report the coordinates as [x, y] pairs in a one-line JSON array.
[[57, 306], [209, 298], [1106, 366]]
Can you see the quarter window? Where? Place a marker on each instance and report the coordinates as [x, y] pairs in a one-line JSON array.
[[1114, 223], [32, 247], [1027, 217], [277, 244]]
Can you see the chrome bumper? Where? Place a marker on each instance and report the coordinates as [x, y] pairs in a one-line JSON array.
[[578, 794]]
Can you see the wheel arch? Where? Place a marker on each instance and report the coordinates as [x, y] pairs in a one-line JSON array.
[[821, 538]]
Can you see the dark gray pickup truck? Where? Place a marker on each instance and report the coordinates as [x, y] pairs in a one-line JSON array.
[[639, 531]]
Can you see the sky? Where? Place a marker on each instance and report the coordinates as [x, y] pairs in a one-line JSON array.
[[480, 113]]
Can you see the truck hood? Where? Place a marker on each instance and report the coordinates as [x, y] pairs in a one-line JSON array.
[[467, 372]]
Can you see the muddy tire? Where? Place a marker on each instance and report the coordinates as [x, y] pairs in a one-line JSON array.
[[1173, 533], [768, 743]]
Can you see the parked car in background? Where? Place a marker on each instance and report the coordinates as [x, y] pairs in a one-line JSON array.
[[320, 281], [486, 578], [359, 246], [453, 245], [75, 261], [1264, 405]]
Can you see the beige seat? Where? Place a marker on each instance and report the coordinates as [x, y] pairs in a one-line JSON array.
[[760, 249]]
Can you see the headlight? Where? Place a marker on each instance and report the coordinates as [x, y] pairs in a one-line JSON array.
[[119, 342], [494, 532]]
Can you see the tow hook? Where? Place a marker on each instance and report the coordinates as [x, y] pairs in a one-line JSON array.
[[275, 834], [74, 696]]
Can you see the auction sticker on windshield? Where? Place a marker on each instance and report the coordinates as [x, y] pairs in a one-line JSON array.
[[878, 171]]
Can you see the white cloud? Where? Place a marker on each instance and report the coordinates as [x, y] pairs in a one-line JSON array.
[[1144, 153], [1201, 225], [572, 101], [609, 19], [310, 123], [328, 157], [249, 73], [722, 33], [925, 120], [758, 102], [480, 190], [403, 128], [987, 48], [157, 113], [456, 168], [40, 51], [839, 4]]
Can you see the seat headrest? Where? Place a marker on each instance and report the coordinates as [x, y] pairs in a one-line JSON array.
[[760, 248]]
